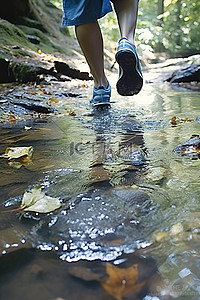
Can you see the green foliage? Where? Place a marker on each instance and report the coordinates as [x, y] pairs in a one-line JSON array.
[[181, 30], [177, 31]]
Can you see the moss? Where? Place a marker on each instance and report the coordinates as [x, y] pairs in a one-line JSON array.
[[11, 35], [25, 72], [43, 20]]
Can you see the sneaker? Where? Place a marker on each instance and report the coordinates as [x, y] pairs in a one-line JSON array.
[[101, 96], [130, 75]]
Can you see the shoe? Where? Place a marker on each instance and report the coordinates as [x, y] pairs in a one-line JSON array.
[[130, 74], [101, 96]]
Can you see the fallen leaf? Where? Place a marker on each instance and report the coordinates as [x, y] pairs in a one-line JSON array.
[[175, 120], [121, 281], [12, 118], [5, 47], [70, 112], [37, 201], [161, 235], [135, 187], [16, 152], [85, 142], [27, 128], [54, 100]]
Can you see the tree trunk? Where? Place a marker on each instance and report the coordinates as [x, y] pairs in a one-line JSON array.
[[161, 10], [178, 22]]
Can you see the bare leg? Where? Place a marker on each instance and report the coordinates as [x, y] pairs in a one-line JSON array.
[[91, 42], [126, 11]]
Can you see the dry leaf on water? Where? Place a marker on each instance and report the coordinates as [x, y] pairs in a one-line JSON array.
[[54, 100], [35, 200], [176, 120], [121, 281], [16, 152]]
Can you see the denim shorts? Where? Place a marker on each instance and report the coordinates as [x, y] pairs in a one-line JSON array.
[[78, 12]]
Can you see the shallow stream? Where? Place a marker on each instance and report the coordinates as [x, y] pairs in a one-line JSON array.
[[129, 202]]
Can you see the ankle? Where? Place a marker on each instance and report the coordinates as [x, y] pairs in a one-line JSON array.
[[101, 82]]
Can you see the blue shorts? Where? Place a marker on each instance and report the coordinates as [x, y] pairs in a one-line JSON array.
[[78, 12]]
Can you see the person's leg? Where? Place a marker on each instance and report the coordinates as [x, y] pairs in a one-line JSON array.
[[126, 11], [130, 75], [91, 42]]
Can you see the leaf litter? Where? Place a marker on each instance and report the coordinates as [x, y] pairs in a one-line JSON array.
[[17, 152], [37, 201]]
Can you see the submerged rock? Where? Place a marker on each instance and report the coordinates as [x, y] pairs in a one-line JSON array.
[[100, 224], [5, 74], [198, 119], [189, 148]]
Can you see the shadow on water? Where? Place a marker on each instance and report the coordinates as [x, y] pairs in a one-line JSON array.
[[129, 223]]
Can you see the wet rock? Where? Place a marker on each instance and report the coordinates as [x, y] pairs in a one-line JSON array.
[[96, 270], [137, 158], [65, 69], [67, 94], [189, 148], [124, 214], [14, 261], [198, 119], [156, 175], [33, 39], [33, 106], [131, 197], [187, 74], [23, 72]]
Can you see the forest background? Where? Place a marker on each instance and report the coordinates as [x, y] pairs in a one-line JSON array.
[[163, 25], [170, 26]]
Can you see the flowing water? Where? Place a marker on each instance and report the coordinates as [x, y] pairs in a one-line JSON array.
[[128, 201]]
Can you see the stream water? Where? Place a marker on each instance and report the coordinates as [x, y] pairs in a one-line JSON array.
[[128, 201]]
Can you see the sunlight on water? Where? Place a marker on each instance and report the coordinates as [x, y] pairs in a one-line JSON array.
[[122, 186]]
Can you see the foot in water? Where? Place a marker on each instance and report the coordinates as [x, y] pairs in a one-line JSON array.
[[101, 96]]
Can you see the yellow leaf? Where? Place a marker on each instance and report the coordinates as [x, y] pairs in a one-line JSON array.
[[27, 128], [134, 186], [54, 100], [176, 229], [35, 200], [121, 281], [16, 152]]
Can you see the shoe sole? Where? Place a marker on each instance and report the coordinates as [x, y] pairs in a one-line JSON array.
[[101, 104], [130, 81]]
